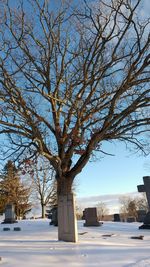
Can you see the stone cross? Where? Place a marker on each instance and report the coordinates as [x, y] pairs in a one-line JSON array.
[[145, 188]]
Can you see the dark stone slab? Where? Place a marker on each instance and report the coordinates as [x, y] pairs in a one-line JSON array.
[[117, 217], [145, 226], [147, 218], [17, 229], [91, 219], [131, 219], [141, 215], [141, 188], [6, 229]]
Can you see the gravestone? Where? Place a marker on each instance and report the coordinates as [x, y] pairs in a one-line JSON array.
[[90, 215], [9, 214], [67, 223], [131, 219], [141, 215], [117, 217], [54, 216], [146, 188]]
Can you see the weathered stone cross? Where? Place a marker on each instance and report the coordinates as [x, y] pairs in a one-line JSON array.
[[145, 188]]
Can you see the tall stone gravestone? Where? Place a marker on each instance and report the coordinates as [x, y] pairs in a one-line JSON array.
[[117, 217], [9, 214], [67, 223], [90, 216], [146, 188]]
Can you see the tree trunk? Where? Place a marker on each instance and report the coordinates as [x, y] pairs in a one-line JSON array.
[[67, 224], [64, 185], [43, 210]]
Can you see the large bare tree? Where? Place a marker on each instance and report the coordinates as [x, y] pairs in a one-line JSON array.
[[72, 78]]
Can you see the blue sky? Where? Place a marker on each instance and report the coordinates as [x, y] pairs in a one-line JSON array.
[[119, 174], [109, 179]]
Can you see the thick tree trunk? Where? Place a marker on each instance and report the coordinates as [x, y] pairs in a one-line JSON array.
[[67, 224], [43, 210], [64, 186]]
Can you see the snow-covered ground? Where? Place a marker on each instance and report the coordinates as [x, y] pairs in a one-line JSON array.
[[109, 245]]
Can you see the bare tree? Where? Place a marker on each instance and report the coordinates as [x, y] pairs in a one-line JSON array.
[[71, 79], [142, 202], [102, 210], [131, 205], [43, 184]]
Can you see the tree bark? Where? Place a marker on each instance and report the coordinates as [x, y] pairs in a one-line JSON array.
[[64, 185], [43, 210]]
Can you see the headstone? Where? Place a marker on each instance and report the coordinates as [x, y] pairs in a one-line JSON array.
[[17, 229], [91, 219], [117, 217], [141, 215], [9, 214], [67, 224], [146, 188], [83, 216], [54, 216], [131, 219], [6, 229]]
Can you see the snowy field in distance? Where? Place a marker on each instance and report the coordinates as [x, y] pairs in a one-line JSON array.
[[36, 245]]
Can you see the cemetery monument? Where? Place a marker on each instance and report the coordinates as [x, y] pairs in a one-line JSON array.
[[146, 188], [9, 214]]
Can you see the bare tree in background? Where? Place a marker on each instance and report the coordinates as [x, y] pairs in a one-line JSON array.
[[131, 205], [73, 78], [44, 184], [102, 210]]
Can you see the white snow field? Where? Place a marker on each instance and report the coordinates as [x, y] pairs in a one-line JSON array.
[[109, 245]]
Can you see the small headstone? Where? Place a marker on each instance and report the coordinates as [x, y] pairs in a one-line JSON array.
[[91, 218], [117, 217], [6, 229], [17, 229], [131, 219]]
